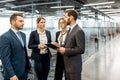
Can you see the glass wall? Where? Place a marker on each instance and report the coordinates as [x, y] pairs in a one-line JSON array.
[[98, 28]]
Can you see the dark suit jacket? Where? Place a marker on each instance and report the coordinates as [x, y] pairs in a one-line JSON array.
[[13, 55], [34, 42], [57, 35], [75, 46]]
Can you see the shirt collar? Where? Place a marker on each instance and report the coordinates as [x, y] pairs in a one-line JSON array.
[[40, 32], [73, 26], [15, 31]]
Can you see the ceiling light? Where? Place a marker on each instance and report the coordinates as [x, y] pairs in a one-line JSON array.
[[85, 11], [103, 10], [62, 7], [6, 1], [112, 12], [98, 7], [36, 11], [102, 3], [58, 2], [12, 11]]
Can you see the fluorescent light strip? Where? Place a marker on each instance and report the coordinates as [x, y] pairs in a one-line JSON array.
[[85, 11], [6, 1], [98, 7], [36, 4], [102, 3], [62, 7], [111, 12], [109, 9], [90, 13]]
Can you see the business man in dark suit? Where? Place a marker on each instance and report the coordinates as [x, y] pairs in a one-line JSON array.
[[74, 47], [13, 51]]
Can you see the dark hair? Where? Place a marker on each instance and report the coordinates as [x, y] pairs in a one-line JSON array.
[[39, 19], [14, 16], [73, 13]]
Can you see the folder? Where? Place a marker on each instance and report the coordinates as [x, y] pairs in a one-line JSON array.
[[51, 46]]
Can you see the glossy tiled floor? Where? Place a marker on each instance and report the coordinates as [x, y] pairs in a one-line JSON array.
[[105, 63], [102, 65]]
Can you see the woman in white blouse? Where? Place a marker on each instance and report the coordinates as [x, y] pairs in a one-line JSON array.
[[40, 53]]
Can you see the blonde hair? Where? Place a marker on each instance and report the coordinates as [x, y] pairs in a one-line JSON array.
[[61, 19]]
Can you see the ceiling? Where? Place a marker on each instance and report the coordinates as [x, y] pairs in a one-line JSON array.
[[112, 9], [43, 7]]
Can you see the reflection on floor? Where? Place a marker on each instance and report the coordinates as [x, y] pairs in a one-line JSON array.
[[104, 64]]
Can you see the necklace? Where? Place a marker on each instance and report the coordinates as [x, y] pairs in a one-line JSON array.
[[63, 32]]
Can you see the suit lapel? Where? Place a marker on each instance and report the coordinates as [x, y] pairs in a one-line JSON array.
[[47, 35], [15, 36], [37, 37], [69, 34]]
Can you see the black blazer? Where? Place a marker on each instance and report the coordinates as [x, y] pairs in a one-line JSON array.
[[34, 42], [57, 35]]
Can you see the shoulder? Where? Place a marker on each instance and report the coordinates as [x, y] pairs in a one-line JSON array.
[[6, 34], [5, 37], [34, 32], [47, 31], [58, 32], [78, 29]]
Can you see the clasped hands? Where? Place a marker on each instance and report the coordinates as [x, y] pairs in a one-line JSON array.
[[42, 46]]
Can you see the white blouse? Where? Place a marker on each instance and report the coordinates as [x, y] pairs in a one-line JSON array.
[[43, 39], [61, 38]]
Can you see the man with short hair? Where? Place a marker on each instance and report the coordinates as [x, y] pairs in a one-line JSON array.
[[74, 47], [13, 52]]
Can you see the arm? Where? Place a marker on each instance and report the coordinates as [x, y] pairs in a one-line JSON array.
[[32, 43], [5, 54]]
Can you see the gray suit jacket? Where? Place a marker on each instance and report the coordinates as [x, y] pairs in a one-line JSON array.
[[75, 46]]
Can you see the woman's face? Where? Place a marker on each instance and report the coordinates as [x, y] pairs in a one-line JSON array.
[[41, 24], [62, 24]]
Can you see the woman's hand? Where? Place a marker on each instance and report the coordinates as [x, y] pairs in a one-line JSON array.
[[56, 44], [42, 46]]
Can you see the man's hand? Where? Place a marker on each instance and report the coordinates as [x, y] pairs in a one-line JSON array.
[[14, 78], [61, 50]]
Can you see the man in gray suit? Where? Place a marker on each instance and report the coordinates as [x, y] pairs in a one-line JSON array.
[[74, 47], [13, 52]]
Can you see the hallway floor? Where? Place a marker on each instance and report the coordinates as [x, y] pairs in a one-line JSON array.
[[102, 65], [105, 63]]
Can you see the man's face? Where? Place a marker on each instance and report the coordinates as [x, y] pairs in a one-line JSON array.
[[18, 23], [67, 18]]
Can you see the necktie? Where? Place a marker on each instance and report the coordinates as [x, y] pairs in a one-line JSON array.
[[20, 38], [69, 30]]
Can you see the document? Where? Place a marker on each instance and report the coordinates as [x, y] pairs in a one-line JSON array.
[[52, 46]]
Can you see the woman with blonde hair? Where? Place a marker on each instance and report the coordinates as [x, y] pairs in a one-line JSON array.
[[60, 41]]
